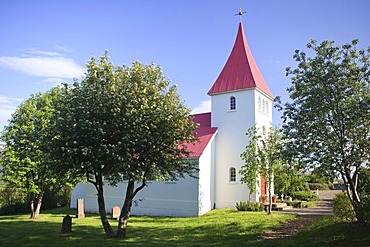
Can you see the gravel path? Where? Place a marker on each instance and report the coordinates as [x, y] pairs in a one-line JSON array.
[[305, 217]]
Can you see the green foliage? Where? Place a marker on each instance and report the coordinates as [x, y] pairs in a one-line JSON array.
[[12, 200], [262, 155], [289, 180], [364, 182], [10, 195], [58, 196], [319, 186], [342, 208], [305, 196], [121, 123], [249, 206], [327, 121], [25, 161], [364, 208]]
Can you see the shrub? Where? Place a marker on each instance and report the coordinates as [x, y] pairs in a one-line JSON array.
[[10, 195], [342, 208], [12, 200], [365, 208], [249, 206], [305, 196], [57, 197]]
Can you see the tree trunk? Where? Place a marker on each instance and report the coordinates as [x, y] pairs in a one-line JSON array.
[[270, 198], [36, 210], [354, 198], [101, 204], [32, 205], [125, 212]]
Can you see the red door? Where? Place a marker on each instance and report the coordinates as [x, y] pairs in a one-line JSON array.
[[263, 185]]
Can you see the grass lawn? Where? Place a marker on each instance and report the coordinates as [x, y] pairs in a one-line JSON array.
[[217, 228], [325, 231]]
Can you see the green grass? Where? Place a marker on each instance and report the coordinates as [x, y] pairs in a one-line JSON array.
[[217, 228], [326, 232]]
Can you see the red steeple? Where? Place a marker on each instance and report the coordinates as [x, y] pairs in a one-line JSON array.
[[240, 71]]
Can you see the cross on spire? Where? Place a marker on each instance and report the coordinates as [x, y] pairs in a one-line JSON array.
[[240, 14]]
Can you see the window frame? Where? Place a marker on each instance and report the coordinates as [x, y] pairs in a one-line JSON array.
[[232, 106], [232, 175]]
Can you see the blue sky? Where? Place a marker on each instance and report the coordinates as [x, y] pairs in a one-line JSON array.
[[45, 42]]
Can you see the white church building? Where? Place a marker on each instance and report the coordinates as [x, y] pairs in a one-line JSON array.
[[240, 99]]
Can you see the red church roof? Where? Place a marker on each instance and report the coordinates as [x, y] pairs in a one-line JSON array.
[[240, 71], [204, 134]]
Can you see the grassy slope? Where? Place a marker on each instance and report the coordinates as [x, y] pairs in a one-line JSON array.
[[217, 228], [326, 232]]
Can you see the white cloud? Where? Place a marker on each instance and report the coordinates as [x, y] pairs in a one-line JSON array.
[[7, 107], [54, 80], [43, 66], [205, 106], [62, 48], [38, 52]]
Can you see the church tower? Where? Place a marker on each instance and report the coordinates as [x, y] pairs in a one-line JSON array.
[[240, 99]]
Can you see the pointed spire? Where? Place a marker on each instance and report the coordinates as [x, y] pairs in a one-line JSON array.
[[240, 71]]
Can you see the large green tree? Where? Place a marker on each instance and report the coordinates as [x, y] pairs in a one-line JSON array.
[[262, 155], [124, 124], [328, 118], [26, 163]]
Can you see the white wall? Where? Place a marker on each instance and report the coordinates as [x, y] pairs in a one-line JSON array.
[[79, 191], [230, 143], [206, 178], [178, 198], [231, 140], [263, 119]]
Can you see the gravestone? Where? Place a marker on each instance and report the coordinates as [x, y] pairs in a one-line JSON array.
[[116, 211], [67, 224], [80, 208]]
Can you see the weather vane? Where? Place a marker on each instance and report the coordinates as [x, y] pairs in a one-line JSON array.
[[240, 14]]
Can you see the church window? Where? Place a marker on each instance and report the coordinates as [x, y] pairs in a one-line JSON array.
[[232, 103], [232, 175], [259, 103], [263, 105], [267, 107]]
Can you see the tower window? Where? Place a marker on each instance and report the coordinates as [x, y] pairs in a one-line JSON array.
[[259, 103], [232, 174], [232, 103]]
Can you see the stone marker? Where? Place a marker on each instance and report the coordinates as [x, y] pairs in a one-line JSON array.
[[116, 211], [80, 208], [67, 224]]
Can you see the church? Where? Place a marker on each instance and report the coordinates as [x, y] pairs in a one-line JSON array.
[[240, 99]]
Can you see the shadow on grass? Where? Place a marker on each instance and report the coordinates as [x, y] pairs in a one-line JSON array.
[[326, 232], [215, 229]]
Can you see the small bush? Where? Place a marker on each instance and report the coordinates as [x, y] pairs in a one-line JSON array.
[[342, 208], [249, 206], [305, 196], [365, 208], [12, 200], [57, 197], [321, 186]]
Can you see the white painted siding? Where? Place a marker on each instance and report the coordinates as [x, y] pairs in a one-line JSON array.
[[230, 143], [206, 178]]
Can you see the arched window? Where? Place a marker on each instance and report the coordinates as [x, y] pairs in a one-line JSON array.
[[267, 107], [232, 174], [232, 103], [259, 103], [263, 105]]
